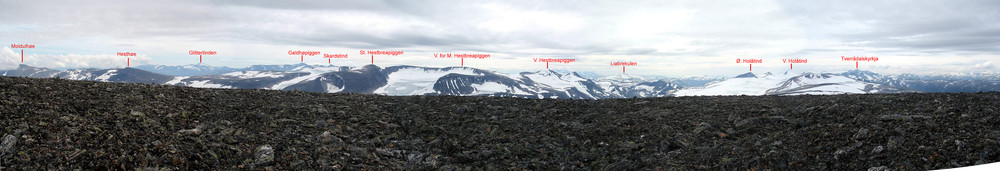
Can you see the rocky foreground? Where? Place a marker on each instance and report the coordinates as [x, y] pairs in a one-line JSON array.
[[60, 124]]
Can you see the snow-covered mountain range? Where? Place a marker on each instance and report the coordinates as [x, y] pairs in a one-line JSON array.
[[787, 84], [187, 70], [466, 81]]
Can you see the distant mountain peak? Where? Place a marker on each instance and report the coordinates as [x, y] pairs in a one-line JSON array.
[[370, 67], [860, 72], [547, 72], [746, 75], [624, 76]]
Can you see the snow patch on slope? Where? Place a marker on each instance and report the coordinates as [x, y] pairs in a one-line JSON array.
[[77, 74], [330, 88], [313, 74], [490, 88], [561, 82], [206, 84], [819, 84], [175, 81], [549, 78], [106, 76]]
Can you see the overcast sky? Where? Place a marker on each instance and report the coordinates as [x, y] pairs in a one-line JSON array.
[[680, 38]]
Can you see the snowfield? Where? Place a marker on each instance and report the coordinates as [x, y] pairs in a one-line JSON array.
[[416, 81], [254, 74], [206, 84], [314, 73], [780, 84]]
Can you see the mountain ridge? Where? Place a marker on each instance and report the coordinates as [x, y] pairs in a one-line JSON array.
[[404, 80]]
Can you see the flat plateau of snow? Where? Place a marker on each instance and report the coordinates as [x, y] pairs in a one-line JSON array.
[[253, 74], [817, 85], [737, 86], [842, 85], [416, 81]]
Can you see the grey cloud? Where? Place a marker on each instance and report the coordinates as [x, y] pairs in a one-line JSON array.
[[638, 51], [308, 4], [715, 28], [976, 40], [934, 25], [985, 65]]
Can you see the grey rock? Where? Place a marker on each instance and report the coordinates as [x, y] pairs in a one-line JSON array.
[[878, 149], [584, 156], [137, 113], [356, 149], [862, 133], [76, 153], [153, 168], [421, 159], [7, 146], [463, 109], [327, 137], [194, 131], [986, 153], [880, 168], [388, 152], [321, 123], [434, 142], [630, 145], [265, 154], [846, 150], [286, 121], [701, 127], [960, 144], [901, 117], [415, 158], [431, 160], [449, 168]]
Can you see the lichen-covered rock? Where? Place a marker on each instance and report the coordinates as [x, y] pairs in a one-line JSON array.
[[7, 145], [264, 155]]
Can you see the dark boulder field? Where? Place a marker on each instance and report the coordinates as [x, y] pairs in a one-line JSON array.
[[53, 124]]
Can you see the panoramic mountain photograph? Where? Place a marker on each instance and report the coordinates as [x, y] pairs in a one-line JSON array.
[[549, 85]]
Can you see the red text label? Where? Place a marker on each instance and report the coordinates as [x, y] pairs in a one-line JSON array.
[[126, 54], [307, 53], [21, 46], [193, 52]]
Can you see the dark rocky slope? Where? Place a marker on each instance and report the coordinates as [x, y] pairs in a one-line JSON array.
[[60, 124]]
